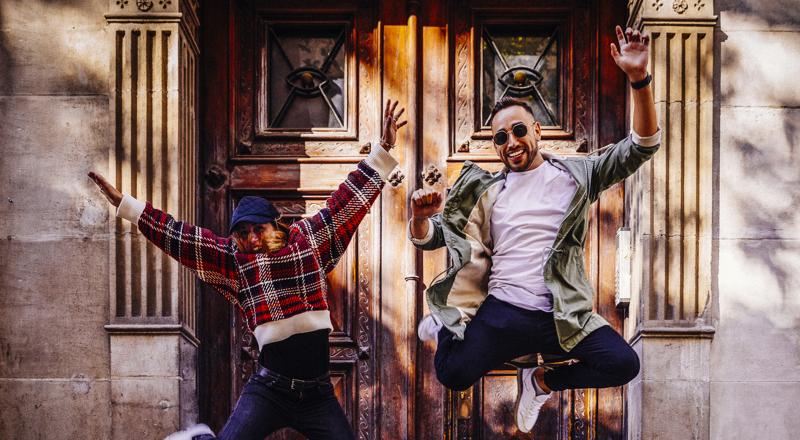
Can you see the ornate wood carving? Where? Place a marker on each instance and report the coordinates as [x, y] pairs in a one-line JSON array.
[[364, 333], [250, 90], [305, 148]]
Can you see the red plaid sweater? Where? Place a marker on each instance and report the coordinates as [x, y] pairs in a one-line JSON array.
[[281, 293]]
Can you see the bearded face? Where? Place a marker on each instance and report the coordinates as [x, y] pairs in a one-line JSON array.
[[518, 135]]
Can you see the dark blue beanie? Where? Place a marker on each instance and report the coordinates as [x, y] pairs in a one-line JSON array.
[[255, 210]]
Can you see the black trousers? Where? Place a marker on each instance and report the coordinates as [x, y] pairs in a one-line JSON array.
[[269, 403], [501, 332]]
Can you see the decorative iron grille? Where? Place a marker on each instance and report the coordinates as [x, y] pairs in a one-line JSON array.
[[306, 76], [522, 63]]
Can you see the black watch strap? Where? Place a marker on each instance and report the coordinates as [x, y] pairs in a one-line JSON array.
[[642, 83]]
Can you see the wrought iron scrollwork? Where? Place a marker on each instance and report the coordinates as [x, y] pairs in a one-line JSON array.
[[308, 81], [518, 81]]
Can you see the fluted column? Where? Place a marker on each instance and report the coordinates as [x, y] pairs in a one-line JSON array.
[[670, 215], [153, 309]]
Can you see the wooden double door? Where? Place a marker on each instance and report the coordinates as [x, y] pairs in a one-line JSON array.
[[292, 94]]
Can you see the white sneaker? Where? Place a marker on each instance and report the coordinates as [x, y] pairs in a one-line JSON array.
[[528, 403], [190, 432], [428, 329]]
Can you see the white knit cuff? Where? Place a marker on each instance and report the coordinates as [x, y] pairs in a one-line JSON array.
[[647, 141], [424, 240], [130, 209], [380, 160]]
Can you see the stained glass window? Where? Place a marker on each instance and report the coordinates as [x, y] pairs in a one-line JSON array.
[[522, 63], [306, 76]]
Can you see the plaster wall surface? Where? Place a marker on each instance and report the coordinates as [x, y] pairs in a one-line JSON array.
[[755, 353]]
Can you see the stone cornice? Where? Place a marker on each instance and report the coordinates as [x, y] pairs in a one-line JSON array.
[[670, 11], [153, 329]]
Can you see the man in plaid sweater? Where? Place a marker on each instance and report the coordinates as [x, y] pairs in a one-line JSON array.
[[276, 276]]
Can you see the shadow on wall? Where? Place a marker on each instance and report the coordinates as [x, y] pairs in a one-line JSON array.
[[53, 48], [6, 60], [757, 161], [773, 12]]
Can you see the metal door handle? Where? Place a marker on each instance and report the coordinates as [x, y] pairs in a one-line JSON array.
[[431, 175], [396, 178], [215, 177]]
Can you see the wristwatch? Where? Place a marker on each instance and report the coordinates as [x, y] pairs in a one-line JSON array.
[[642, 83]]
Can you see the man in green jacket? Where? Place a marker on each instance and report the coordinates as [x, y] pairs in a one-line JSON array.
[[516, 283]]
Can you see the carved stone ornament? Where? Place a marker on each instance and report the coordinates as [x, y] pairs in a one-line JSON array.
[[122, 3], [144, 5], [680, 6], [658, 4], [699, 5]]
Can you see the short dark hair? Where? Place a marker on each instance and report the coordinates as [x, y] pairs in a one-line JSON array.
[[506, 102]]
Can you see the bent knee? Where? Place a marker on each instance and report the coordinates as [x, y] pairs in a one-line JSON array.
[[453, 379], [628, 366]]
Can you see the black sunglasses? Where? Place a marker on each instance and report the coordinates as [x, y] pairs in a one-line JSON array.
[[519, 129]]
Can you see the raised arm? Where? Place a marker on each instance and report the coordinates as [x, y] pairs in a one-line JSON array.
[[331, 229], [627, 155], [632, 57], [199, 249]]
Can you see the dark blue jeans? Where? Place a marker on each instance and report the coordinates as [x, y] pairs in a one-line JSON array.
[[268, 404], [501, 332]]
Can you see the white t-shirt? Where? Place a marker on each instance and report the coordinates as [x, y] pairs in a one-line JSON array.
[[525, 220]]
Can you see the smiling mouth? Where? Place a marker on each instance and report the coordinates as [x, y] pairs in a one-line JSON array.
[[515, 154]]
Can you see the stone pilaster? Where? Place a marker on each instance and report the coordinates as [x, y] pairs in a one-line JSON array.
[[153, 309], [670, 208]]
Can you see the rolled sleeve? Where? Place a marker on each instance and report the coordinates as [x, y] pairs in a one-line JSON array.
[[130, 209], [380, 160], [424, 240], [647, 141]]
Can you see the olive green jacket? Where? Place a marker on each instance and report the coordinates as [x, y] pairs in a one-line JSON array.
[[464, 227]]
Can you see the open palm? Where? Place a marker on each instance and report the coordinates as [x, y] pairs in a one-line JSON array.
[[633, 53], [391, 124]]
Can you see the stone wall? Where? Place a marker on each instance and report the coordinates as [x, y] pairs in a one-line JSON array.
[[54, 302], [755, 354], [95, 340]]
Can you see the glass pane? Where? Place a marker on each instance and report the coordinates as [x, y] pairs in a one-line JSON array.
[[306, 76], [523, 64]]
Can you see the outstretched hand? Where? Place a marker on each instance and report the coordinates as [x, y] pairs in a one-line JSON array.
[[111, 193], [390, 124], [633, 53]]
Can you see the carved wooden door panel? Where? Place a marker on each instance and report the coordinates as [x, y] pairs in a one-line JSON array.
[[290, 109], [292, 93], [554, 55]]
